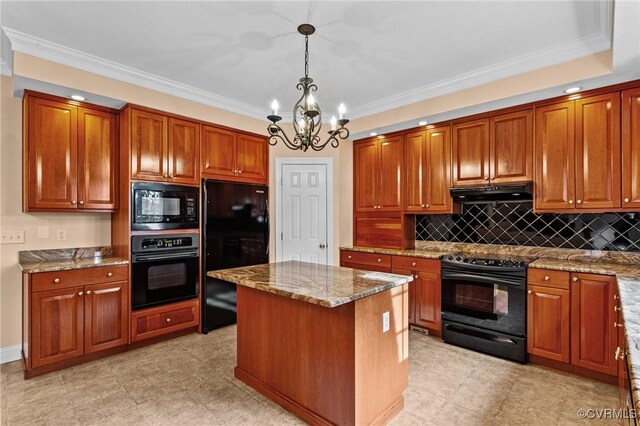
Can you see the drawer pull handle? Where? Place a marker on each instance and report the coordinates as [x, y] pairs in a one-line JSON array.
[[349, 257], [547, 277], [168, 319], [414, 264], [619, 354], [110, 274], [617, 324], [617, 308], [615, 297], [379, 260], [56, 280]]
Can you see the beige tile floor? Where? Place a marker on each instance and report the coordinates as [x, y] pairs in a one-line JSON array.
[[190, 381]]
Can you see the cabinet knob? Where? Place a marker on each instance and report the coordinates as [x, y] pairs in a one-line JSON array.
[[529, 291], [570, 201], [56, 280], [423, 206], [168, 319], [414, 264], [80, 293], [73, 202], [619, 354], [165, 176], [239, 171], [428, 205], [574, 279], [379, 260], [579, 201], [81, 203], [617, 308], [110, 274], [349, 257], [486, 178], [615, 297], [170, 176], [492, 177], [626, 200], [416, 276], [617, 324], [88, 291], [547, 277]]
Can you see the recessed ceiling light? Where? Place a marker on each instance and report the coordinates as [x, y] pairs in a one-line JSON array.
[[573, 89], [373, 134], [77, 97], [422, 123]]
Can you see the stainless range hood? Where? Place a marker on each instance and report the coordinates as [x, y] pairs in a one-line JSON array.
[[511, 193]]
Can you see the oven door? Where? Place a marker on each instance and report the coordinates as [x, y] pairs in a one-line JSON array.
[[161, 206], [164, 278], [491, 298]]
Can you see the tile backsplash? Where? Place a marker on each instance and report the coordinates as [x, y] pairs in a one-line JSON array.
[[516, 224]]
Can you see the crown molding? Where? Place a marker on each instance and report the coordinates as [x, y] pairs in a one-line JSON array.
[[6, 55], [40, 48]]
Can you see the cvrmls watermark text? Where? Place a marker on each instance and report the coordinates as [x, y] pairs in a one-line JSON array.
[[606, 413]]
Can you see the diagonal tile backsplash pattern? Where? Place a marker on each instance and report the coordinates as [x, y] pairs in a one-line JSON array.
[[516, 224]]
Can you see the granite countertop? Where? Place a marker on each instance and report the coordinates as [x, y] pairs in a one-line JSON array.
[[624, 265], [35, 261], [323, 285]]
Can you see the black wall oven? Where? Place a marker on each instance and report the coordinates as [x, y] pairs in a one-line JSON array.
[[484, 305], [165, 269], [160, 206]]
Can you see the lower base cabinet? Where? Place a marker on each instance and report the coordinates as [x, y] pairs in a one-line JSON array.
[[571, 319], [70, 314], [153, 322]]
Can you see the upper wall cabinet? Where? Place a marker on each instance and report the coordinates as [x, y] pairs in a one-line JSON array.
[[428, 171], [378, 165], [497, 150], [70, 154], [235, 156], [578, 155], [631, 149], [163, 148]]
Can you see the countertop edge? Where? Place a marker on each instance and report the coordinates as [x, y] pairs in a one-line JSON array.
[[69, 265]]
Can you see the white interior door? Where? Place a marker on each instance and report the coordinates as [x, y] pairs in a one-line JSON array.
[[304, 213]]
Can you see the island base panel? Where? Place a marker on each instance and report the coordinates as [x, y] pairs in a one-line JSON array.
[[326, 365]]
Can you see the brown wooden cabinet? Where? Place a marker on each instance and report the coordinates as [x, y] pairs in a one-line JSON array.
[[578, 155], [631, 149], [511, 147], [70, 154], [548, 317], [365, 261], [153, 322], [235, 156], [163, 148], [378, 174], [71, 314], [471, 153], [428, 171], [593, 335]]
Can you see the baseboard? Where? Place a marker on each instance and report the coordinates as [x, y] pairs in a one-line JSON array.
[[10, 353]]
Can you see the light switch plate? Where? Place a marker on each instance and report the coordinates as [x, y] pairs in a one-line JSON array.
[[43, 231], [385, 322], [12, 237]]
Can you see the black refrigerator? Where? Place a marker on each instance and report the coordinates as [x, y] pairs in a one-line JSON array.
[[235, 233]]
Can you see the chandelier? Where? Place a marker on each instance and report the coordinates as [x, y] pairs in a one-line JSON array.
[[307, 116]]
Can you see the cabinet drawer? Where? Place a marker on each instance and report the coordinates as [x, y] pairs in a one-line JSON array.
[[548, 278], [383, 260], [164, 319], [416, 263], [63, 279], [375, 268]]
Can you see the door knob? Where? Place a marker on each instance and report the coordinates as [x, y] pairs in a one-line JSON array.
[[322, 245]]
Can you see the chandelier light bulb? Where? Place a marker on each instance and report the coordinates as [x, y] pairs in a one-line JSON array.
[[274, 107], [301, 124], [334, 122], [341, 111], [310, 101]]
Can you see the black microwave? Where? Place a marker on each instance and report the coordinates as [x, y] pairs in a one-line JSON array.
[[160, 206]]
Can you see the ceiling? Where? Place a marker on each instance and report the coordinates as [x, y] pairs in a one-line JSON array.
[[373, 56]]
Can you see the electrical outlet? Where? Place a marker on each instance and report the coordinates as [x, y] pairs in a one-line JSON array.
[[12, 237], [43, 231], [61, 234], [385, 322]]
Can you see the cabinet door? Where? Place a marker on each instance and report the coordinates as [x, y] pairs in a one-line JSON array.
[[148, 146], [593, 336], [52, 154], [252, 158], [218, 153], [184, 152], [428, 300], [548, 322], [365, 159], [471, 153], [97, 157], [412, 293], [106, 316], [57, 325], [414, 166], [631, 148], [598, 152], [438, 170], [390, 171], [555, 157], [511, 147]]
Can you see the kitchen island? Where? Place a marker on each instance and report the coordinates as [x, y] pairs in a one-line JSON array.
[[328, 344]]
